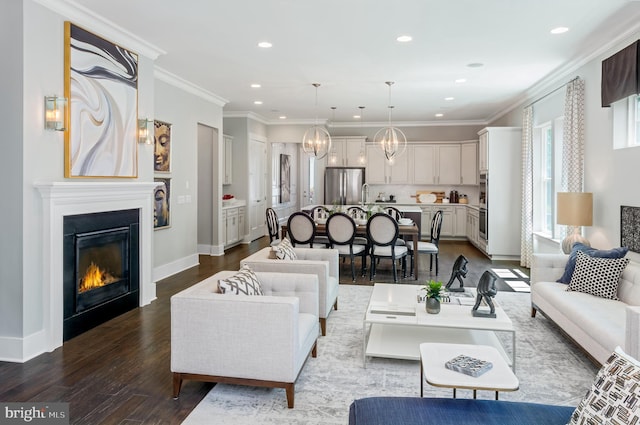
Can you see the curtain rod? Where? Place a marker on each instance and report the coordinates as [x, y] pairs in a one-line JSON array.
[[552, 91]]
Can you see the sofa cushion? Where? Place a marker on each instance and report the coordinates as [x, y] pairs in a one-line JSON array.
[[614, 394], [592, 252], [244, 282], [285, 251], [597, 276]]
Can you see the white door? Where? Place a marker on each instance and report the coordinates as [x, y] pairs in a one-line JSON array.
[[309, 186], [257, 188]]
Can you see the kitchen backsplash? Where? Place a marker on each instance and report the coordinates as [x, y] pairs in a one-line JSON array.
[[403, 193]]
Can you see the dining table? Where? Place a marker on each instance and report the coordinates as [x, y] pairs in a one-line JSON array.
[[410, 230]]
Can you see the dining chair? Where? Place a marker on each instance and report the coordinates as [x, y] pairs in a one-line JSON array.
[[430, 247], [320, 209], [353, 212], [316, 213], [273, 226], [301, 229], [397, 215], [341, 231], [382, 232]]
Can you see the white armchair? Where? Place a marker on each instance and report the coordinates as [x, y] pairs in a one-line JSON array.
[[321, 262], [257, 340]]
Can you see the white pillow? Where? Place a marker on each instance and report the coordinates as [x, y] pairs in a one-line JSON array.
[[284, 250], [244, 282], [597, 276], [614, 394]]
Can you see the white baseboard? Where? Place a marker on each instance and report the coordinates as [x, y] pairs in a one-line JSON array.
[[174, 267], [20, 350], [213, 250]]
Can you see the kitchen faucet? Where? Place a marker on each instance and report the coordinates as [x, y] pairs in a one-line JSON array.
[[364, 194]]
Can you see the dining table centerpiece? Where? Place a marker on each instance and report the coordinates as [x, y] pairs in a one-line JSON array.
[[434, 295]]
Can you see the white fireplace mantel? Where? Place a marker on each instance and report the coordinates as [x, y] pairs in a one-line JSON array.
[[60, 199]]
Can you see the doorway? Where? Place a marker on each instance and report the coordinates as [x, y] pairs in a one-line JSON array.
[[207, 189], [257, 202]]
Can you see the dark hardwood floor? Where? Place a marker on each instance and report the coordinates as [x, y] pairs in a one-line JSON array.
[[119, 372]]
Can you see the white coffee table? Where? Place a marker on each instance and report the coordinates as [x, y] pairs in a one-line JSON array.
[[433, 357], [395, 325]]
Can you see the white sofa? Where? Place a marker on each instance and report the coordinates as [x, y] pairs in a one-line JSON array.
[[321, 262], [597, 324], [257, 340]]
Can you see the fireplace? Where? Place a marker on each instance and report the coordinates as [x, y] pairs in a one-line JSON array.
[[101, 277]]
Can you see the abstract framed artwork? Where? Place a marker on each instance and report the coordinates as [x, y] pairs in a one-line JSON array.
[[162, 147], [285, 178], [101, 83], [162, 203], [630, 227]]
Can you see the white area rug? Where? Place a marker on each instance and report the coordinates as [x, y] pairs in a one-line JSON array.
[[550, 369]]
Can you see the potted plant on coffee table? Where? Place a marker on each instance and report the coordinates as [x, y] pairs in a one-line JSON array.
[[434, 294]]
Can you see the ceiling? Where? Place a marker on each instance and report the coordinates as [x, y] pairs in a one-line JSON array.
[[350, 48]]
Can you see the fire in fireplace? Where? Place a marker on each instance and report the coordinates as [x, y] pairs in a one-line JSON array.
[[101, 273]]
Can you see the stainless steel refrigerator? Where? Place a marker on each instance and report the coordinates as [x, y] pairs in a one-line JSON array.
[[342, 185]]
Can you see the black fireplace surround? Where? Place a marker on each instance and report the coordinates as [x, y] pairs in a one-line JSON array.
[[101, 278]]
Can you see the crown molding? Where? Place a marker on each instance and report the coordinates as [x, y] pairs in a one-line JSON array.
[[82, 16], [567, 71], [405, 124], [179, 82]]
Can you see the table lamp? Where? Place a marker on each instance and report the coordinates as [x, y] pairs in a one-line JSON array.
[[575, 209]]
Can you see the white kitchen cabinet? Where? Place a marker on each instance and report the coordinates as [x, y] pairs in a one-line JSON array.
[[448, 164], [425, 222], [380, 171], [227, 148], [469, 163], [345, 152], [436, 164], [472, 225], [482, 151], [460, 220], [233, 219], [504, 192]]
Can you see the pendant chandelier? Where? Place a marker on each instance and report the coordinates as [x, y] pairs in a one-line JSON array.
[[391, 140], [362, 157], [316, 141]]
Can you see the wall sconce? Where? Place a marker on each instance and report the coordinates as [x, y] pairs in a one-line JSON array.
[[144, 135], [575, 209], [55, 113]]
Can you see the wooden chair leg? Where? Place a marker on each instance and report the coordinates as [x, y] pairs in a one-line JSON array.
[[177, 384], [323, 326], [335, 304], [290, 390], [533, 312]]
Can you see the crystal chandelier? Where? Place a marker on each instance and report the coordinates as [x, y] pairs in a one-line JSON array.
[[391, 140], [316, 141]]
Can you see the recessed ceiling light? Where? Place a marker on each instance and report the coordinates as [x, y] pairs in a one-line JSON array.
[[404, 38], [559, 30], [475, 65], [461, 80], [257, 102], [439, 115], [355, 117], [264, 44], [283, 117], [449, 98], [255, 86]]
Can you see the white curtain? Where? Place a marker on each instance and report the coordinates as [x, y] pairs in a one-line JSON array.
[[573, 140], [526, 234]]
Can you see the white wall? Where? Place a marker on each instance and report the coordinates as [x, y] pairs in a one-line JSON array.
[[611, 175]]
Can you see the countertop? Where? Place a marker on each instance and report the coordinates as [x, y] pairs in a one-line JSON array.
[[234, 204]]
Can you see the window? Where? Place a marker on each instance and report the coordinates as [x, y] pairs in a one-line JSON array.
[[547, 142], [626, 122]]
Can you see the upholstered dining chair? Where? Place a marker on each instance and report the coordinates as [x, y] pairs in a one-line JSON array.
[[394, 212], [273, 226], [382, 232], [317, 212], [430, 247], [341, 231], [301, 229]]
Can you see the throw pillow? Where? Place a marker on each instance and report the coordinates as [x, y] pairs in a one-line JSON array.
[[597, 276], [244, 282], [285, 250], [600, 253], [613, 397]]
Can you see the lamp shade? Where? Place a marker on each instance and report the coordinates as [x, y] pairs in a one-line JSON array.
[[575, 208]]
